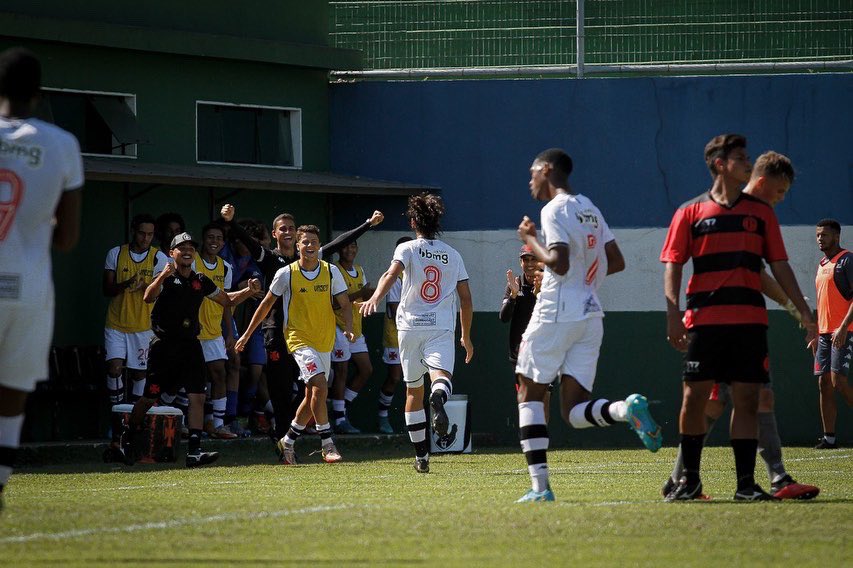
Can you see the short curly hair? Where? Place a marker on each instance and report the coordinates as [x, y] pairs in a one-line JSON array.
[[426, 210]]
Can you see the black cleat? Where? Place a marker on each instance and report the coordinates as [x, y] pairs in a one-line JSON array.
[[668, 486], [422, 465], [754, 493], [824, 445], [199, 458], [685, 491], [125, 447], [440, 421]]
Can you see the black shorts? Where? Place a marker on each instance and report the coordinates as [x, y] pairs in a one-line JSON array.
[[175, 363], [726, 353]]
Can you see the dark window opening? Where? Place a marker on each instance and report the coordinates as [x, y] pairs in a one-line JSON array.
[[238, 135]]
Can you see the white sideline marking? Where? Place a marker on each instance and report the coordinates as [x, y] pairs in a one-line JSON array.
[[841, 457], [170, 524]]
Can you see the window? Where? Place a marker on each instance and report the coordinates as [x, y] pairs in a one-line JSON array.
[[104, 123], [249, 135]]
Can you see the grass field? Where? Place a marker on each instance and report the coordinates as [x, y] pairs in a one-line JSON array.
[[374, 509]]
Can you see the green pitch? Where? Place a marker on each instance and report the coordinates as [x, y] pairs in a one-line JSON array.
[[374, 509]]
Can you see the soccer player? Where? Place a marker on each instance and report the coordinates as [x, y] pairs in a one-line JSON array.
[[176, 357], [344, 394], [833, 348], [390, 351], [282, 370], [128, 270], [307, 288], [215, 319], [40, 172], [434, 277], [771, 178], [565, 331], [166, 227], [724, 330]]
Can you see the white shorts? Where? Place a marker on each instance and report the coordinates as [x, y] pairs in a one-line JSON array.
[[213, 349], [132, 348], [343, 349], [25, 335], [311, 363], [422, 351], [391, 356], [549, 350]]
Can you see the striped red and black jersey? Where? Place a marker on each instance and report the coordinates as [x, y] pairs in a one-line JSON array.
[[727, 245]]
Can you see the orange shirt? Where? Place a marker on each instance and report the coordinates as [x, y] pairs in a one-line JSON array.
[[832, 306]]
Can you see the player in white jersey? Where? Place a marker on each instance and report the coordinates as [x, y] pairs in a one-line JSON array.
[[565, 331], [434, 277], [40, 169]]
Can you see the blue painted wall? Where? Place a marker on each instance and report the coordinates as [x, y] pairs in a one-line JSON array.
[[637, 142]]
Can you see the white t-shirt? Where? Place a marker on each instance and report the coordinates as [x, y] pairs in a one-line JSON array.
[[38, 161], [160, 260], [431, 270], [281, 283], [573, 220]]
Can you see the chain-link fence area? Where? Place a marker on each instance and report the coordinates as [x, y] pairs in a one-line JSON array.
[[429, 34]]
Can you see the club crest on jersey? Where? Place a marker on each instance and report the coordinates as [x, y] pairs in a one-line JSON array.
[[587, 218], [440, 256]]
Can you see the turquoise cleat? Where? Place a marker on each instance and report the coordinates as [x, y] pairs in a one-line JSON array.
[[640, 421], [532, 496]]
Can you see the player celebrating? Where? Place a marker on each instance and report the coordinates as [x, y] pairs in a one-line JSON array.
[[433, 276], [564, 335], [833, 348], [344, 394], [306, 289], [42, 163], [724, 330], [176, 358]]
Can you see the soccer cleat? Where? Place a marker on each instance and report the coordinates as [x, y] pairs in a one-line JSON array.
[[198, 458], [668, 486], [532, 496], [286, 454], [788, 488], [754, 493], [331, 454], [422, 465], [440, 421], [640, 421], [222, 433], [385, 425], [823, 444], [685, 491], [344, 427]]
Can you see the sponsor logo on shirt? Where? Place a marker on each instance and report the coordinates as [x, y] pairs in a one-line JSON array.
[[440, 256], [30, 155], [321, 287], [587, 217], [423, 320]]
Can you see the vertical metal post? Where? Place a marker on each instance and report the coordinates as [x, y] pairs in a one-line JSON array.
[[580, 45]]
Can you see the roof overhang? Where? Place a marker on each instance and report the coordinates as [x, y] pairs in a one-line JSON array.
[[123, 170]]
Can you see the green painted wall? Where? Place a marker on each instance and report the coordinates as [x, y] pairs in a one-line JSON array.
[[634, 358]]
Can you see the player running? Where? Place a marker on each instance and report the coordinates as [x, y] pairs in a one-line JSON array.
[[434, 277], [565, 331]]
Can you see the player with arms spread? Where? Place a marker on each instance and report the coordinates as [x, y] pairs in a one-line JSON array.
[[40, 171], [434, 277]]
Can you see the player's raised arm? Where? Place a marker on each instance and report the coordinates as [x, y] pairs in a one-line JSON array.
[[385, 282], [153, 290], [346, 238], [556, 257]]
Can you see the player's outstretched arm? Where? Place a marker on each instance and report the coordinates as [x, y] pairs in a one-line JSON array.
[[241, 296], [227, 213], [466, 318], [785, 276], [346, 238], [260, 314], [382, 287]]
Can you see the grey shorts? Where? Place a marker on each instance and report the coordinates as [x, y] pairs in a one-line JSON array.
[[827, 358]]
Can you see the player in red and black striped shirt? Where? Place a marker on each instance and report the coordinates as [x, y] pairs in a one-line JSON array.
[[727, 233]]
